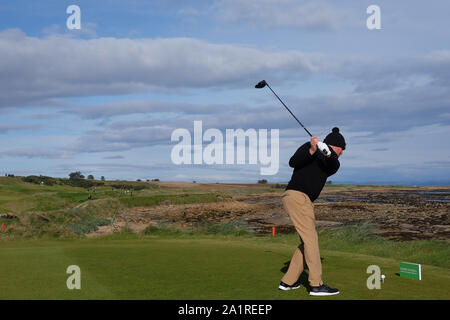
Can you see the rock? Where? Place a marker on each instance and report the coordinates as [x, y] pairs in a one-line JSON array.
[[441, 228], [407, 226], [328, 224], [42, 218], [8, 216]]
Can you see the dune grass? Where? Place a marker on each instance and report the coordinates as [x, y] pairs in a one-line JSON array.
[[17, 196], [360, 238], [154, 200]]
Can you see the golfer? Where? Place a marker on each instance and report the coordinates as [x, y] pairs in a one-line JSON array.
[[311, 170]]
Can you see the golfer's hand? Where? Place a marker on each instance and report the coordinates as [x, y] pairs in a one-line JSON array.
[[313, 148], [324, 149]]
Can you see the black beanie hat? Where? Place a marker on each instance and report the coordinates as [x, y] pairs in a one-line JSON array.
[[335, 139]]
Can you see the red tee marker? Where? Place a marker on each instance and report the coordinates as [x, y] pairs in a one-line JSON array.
[[273, 231], [3, 227]]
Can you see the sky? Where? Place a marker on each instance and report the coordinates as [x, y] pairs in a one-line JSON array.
[[105, 99]]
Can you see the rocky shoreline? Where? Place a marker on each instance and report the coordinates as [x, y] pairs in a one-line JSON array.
[[396, 214]]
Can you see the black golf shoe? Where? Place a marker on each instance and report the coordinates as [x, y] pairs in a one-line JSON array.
[[285, 287], [323, 290]]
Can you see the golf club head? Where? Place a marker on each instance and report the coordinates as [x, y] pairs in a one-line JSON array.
[[261, 84]]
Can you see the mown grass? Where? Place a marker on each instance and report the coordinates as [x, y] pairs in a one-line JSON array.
[[164, 266]]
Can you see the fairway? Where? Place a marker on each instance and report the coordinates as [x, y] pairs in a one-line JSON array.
[[161, 267]]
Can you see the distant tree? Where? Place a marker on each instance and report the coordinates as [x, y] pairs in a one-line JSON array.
[[138, 180], [90, 177], [102, 178], [155, 179], [329, 182], [262, 181], [76, 175]]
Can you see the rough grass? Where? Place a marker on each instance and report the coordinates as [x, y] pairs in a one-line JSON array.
[[363, 186], [64, 211], [234, 228], [360, 238], [65, 208], [75, 221], [88, 224], [357, 238], [154, 200], [19, 197]]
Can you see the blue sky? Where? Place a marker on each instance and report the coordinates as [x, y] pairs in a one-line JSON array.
[[105, 99]]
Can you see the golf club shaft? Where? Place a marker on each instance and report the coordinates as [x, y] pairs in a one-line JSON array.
[[289, 110]]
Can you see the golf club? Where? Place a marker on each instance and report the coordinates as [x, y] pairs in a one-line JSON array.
[[322, 146]]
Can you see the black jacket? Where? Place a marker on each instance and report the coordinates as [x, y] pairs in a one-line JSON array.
[[311, 171]]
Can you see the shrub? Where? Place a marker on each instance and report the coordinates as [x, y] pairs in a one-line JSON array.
[[76, 175], [79, 183], [48, 181], [161, 229], [129, 186], [88, 224]]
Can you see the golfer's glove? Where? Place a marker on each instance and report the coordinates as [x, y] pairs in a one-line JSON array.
[[324, 149]]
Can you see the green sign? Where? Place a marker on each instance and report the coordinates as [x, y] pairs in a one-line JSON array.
[[410, 270]]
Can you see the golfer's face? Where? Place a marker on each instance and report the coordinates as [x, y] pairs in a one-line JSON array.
[[338, 150]]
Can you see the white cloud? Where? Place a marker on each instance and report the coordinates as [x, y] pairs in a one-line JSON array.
[[34, 69]]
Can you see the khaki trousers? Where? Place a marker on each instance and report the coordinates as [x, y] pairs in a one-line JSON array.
[[301, 211]]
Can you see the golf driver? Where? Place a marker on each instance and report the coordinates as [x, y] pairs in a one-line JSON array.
[[322, 146]]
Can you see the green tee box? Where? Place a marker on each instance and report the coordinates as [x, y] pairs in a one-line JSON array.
[[410, 270]]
